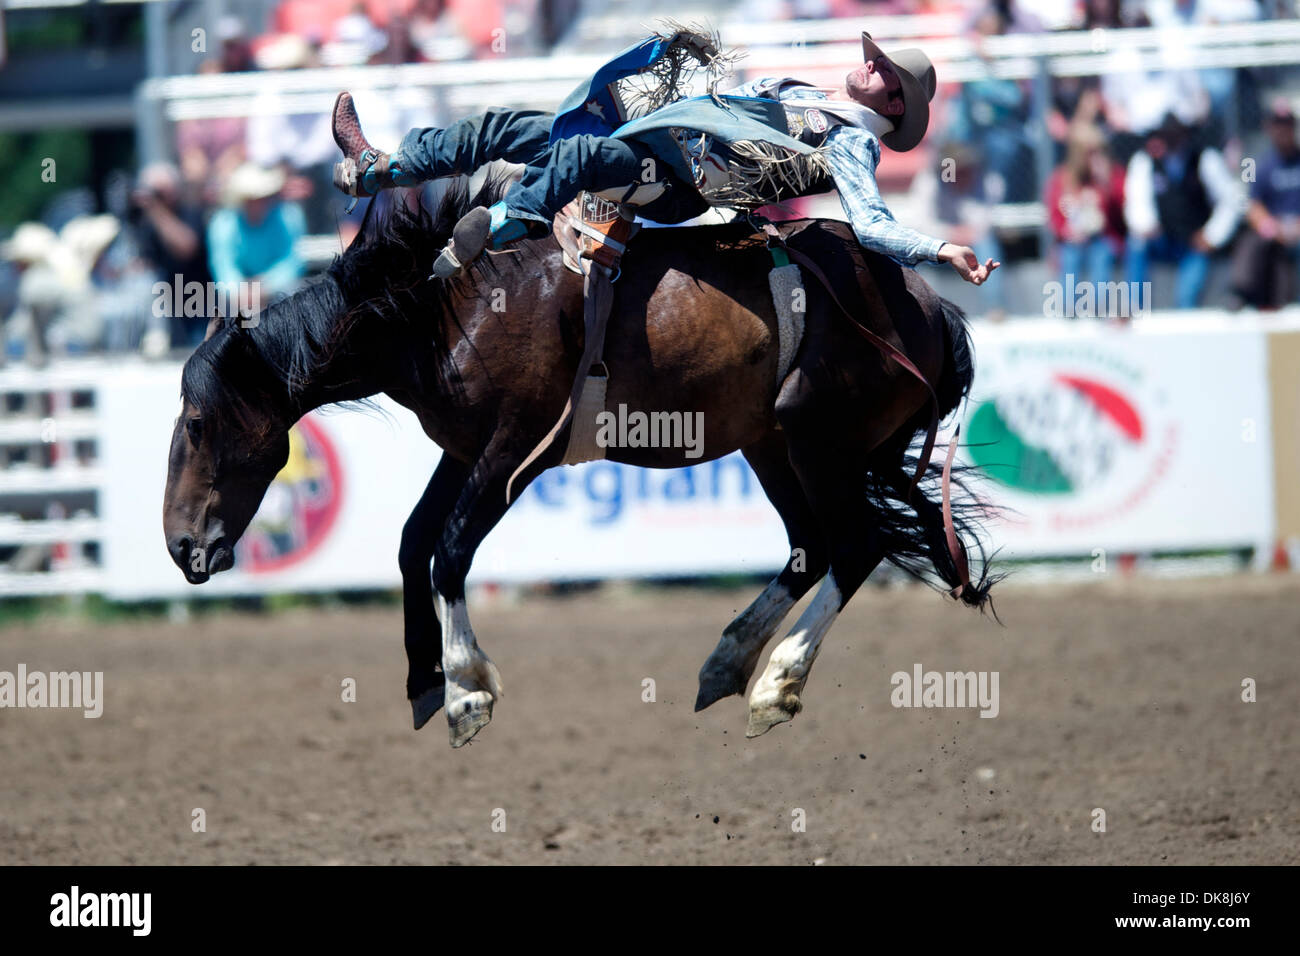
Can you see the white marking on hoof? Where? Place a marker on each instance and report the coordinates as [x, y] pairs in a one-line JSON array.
[[776, 695], [761, 721], [729, 667], [470, 715], [473, 682]]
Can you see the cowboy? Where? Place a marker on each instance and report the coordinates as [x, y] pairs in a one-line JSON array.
[[770, 140]]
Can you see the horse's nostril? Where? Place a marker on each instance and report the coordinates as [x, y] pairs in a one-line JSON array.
[[220, 556], [182, 548]]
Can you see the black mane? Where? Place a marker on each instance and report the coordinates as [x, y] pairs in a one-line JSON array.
[[394, 251], [383, 276]]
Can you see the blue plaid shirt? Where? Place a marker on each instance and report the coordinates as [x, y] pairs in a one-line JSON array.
[[853, 154]]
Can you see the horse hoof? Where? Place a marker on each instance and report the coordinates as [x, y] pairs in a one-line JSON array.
[[715, 686], [428, 704], [764, 718], [469, 715]]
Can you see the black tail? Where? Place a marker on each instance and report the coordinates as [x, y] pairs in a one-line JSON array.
[[959, 370], [911, 532]]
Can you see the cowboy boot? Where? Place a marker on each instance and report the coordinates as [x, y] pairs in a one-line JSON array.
[[482, 228], [364, 170]]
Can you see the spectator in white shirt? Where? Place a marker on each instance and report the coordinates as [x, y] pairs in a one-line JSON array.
[[1181, 204]]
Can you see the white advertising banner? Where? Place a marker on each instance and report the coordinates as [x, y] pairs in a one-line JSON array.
[[1148, 438], [1144, 438], [333, 518]]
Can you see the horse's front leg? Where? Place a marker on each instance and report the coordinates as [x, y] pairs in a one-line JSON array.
[[425, 683], [473, 684]]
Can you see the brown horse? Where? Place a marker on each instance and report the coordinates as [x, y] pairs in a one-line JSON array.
[[486, 361]]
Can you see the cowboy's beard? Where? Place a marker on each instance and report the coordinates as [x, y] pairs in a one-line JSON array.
[[858, 85], [867, 87]]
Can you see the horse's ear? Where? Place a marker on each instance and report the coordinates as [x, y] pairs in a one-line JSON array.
[[214, 324]]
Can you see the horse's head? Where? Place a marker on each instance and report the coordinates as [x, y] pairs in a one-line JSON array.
[[243, 388], [230, 441]]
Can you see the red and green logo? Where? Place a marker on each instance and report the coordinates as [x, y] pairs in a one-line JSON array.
[[301, 505], [1057, 436]]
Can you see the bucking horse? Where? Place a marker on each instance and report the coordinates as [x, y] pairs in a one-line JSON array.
[[693, 328]]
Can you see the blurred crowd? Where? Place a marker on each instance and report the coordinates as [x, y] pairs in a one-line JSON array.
[[1179, 167], [1184, 166], [223, 223]]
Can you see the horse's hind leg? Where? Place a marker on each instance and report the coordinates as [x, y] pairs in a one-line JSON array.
[[776, 696], [832, 470], [425, 682], [729, 667]]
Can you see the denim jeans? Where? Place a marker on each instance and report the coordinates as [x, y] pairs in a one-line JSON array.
[[1090, 261], [553, 175], [1193, 268]]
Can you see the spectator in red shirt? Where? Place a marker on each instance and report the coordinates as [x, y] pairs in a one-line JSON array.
[[1085, 206]]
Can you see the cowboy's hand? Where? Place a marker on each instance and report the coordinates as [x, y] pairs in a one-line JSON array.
[[966, 263]]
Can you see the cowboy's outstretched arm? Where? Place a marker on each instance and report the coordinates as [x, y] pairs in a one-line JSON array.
[[853, 155]]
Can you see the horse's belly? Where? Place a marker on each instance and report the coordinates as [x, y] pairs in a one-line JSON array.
[[703, 375]]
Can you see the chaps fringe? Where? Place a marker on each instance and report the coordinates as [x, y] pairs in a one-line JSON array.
[[761, 173]]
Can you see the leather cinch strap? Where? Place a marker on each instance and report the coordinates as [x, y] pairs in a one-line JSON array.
[[597, 301]]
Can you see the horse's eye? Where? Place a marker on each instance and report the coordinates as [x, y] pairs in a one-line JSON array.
[[194, 430]]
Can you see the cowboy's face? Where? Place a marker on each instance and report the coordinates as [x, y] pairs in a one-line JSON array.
[[876, 86]]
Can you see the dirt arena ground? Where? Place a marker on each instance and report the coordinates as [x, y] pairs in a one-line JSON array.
[[1119, 695]]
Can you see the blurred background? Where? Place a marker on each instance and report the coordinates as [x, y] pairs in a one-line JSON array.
[[1146, 147]]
